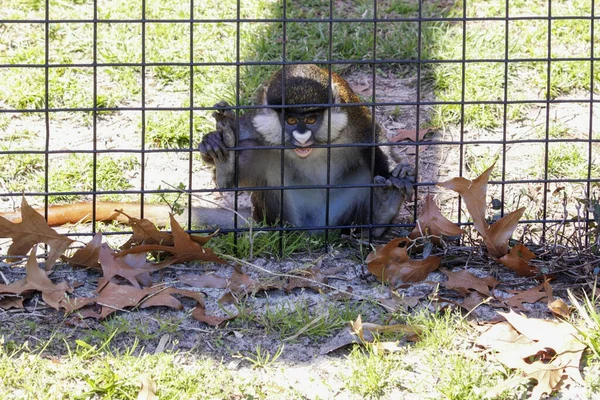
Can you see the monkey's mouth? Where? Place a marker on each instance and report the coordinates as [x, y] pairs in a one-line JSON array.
[[303, 152]]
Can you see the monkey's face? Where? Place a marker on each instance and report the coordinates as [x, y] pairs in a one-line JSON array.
[[300, 130]]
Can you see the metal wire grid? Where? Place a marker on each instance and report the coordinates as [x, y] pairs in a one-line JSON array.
[[374, 63]]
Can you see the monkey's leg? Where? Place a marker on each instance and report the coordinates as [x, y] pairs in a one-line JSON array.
[[388, 199]]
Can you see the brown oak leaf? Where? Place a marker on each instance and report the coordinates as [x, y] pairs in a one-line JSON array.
[[183, 250], [87, 256], [531, 296], [390, 263], [463, 280], [37, 280], [129, 267], [146, 232], [409, 134], [473, 193], [31, 230], [432, 222], [518, 260]]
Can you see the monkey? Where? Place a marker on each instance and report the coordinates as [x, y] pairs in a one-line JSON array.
[[318, 121], [310, 114]]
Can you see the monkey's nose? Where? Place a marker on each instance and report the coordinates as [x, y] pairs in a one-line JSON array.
[[302, 138]]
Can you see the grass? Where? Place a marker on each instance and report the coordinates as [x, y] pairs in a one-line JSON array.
[[89, 371], [290, 319], [215, 41], [75, 174], [443, 354], [270, 242], [110, 361]]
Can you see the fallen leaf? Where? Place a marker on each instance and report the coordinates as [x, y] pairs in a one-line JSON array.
[[409, 134], [357, 328], [30, 231], [432, 222], [385, 347], [396, 302], [164, 297], [557, 306], [473, 300], [241, 285], [531, 296], [113, 297], [463, 280], [147, 389], [199, 313], [545, 350], [474, 195], [36, 280], [8, 302], [362, 333], [129, 267], [497, 235], [518, 260], [343, 338], [313, 278], [184, 249], [87, 256], [390, 263], [560, 308], [146, 232]]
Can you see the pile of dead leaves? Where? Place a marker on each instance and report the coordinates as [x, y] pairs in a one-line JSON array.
[[547, 351], [132, 264]]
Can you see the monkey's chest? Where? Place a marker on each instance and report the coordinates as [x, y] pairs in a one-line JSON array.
[[317, 207]]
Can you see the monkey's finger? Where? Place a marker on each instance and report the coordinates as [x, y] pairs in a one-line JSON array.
[[403, 185], [380, 180], [403, 171], [213, 146], [221, 104]]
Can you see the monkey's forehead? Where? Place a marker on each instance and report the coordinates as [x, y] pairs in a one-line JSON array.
[[298, 90]]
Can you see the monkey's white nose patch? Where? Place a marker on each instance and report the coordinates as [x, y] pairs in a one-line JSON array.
[[302, 137]]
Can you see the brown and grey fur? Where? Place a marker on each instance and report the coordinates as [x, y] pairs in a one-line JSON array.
[[339, 124]]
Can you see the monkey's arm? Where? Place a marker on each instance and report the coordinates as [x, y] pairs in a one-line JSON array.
[[388, 199], [215, 149]]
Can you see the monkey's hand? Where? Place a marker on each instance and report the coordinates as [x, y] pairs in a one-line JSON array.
[[226, 123], [390, 197], [215, 145]]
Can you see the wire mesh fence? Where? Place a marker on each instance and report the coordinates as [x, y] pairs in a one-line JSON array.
[[108, 100]]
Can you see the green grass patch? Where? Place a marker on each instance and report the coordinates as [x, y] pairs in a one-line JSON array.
[[569, 160], [75, 174], [440, 351], [89, 371], [260, 243], [289, 319]]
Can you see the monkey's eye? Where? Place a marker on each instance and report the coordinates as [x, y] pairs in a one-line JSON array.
[[311, 120], [291, 120]]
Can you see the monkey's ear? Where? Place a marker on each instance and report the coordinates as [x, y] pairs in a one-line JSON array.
[[335, 95], [261, 97]]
